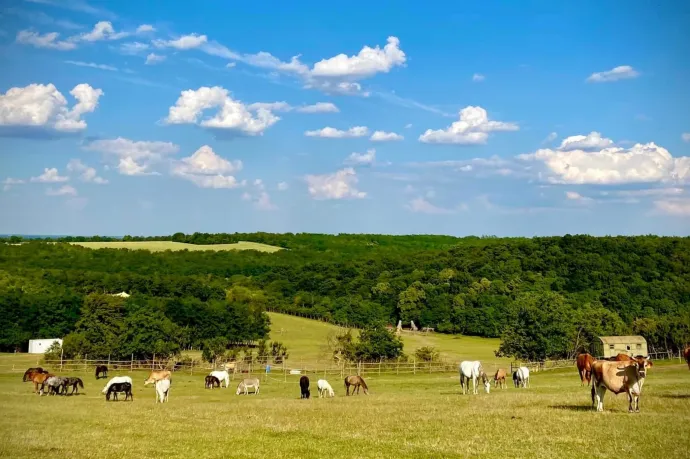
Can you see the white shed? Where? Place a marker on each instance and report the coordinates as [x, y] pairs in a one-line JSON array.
[[40, 346]]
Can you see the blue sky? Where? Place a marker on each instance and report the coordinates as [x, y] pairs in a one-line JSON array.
[[155, 117]]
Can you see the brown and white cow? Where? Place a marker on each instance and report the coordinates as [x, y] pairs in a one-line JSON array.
[[619, 377]]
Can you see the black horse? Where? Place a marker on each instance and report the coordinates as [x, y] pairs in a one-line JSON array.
[[120, 387], [517, 380], [73, 383], [101, 371], [211, 382], [304, 387]]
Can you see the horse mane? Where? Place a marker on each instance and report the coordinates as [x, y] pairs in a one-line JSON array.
[[361, 380]]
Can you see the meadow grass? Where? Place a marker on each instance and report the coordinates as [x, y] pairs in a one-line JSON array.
[[405, 416], [160, 246]]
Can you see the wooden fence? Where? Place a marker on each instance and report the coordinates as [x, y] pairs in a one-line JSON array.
[[570, 363]]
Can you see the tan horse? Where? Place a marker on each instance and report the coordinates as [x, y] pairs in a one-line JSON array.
[[39, 379], [584, 368], [355, 381], [500, 379], [28, 374], [159, 375]]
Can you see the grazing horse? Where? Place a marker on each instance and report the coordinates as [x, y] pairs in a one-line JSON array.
[[244, 386], [500, 378], [323, 387], [114, 388], [304, 387], [619, 377], [54, 384], [223, 377], [39, 379], [157, 376], [584, 367], [211, 382], [471, 370], [30, 372], [355, 381], [116, 380], [162, 390], [73, 382], [101, 371], [521, 377], [485, 381], [686, 354]]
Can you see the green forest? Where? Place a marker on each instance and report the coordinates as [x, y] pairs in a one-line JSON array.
[[545, 297]]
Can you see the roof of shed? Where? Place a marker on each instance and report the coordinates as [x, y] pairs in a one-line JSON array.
[[622, 339]]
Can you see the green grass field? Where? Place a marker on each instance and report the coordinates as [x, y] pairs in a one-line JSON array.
[[160, 246], [421, 416]]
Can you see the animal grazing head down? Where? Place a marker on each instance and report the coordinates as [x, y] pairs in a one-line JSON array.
[[240, 388]]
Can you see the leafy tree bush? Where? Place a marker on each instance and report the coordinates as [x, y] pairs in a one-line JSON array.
[[427, 354]]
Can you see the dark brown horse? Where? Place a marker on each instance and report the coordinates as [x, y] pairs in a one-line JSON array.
[[686, 354], [584, 367], [211, 382], [304, 387], [355, 381], [29, 373], [73, 383], [101, 371]]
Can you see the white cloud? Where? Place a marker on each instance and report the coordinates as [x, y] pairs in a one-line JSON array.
[[271, 106], [50, 175], [575, 196], [382, 136], [319, 107], [339, 185], [154, 58], [230, 65], [231, 114], [649, 192], [133, 48], [408, 125], [685, 136], [472, 128], [361, 159], [9, 182], [477, 77], [65, 190], [678, 207], [206, 169], [184, 42], [550, 138], [87, 174], [640, 163], [49, 40], [333, 133], [421, 205], [617, 73], [282, 186], [103, 30], [591, 141], [93, 65], [133, 157], [368, 62], [145, 28], [43, 106], [263, 202]]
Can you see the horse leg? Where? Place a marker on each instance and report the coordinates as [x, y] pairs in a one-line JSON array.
[[347, 389]]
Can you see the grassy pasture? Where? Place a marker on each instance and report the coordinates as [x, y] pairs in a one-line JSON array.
[[160, 246], [421, 416]]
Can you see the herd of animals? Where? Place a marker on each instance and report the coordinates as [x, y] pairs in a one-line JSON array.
[[622, 374]]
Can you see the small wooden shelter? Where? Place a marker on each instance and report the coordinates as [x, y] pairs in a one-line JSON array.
[[611, 346]]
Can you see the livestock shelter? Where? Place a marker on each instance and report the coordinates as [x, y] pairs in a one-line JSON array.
[[611, 346], [40, 346]]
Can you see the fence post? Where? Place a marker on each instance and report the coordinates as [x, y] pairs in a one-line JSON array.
[[86, 361], [153, 362], [62, 353], [108, 360], [191, 368], [131, 365], [397, 366], [284, 372], [414, 366]]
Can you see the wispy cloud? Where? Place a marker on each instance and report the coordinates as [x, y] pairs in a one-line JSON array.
[[93, 65]]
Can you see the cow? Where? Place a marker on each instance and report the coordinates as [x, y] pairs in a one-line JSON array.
[[622, 358], [584, 367], [619, 377]]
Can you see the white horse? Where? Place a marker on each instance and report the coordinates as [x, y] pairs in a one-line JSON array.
[[471, 370], [246, 384], [523, 376], [162, 390], [324, 388], [117, 379], [222, 376]]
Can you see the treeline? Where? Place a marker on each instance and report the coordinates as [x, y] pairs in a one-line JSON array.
[[569, 289]]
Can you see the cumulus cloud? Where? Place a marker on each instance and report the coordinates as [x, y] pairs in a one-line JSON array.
[[44, 107], [154, 58], [184, 42], [550, 138], [319, 107], [575, 196], [368, 62], [339, 185], [103, 30], [361, 159], [206, 169], [48, 40], [421, 205], [333, 133], [617, 73], [231, 114], [640, 163], [133, 48], [50, 175], [133, 157], [382, 136], [472, 128], [282, 186], [679, 207], [591, 141], [477, 77], [92, 65], [685, 136], [86, 173], [65, 190], [145, 28], [9, 182]]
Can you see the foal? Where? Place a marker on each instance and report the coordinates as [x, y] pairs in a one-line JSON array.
[[304, 387], [211, 382]]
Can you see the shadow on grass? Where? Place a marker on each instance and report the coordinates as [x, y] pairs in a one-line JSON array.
[[676, 396], [572, 407]]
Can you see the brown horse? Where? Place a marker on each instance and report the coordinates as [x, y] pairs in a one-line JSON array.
[[39, 379], [686, 354], [622, 358], [584, 367], [157, 376], [101, 371], [30, 372], [500, 379], [355, 381]]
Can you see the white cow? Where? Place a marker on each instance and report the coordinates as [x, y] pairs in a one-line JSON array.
[[324, 388], [162, 390], [223, 376], [471, 370]]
